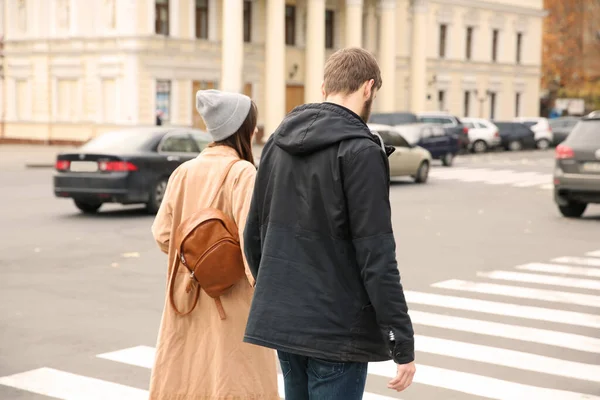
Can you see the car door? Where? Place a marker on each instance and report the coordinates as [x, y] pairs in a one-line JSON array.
[[176, 148], [408, 159], [427, 141]]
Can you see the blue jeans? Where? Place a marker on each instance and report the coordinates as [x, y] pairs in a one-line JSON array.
[[309, 378]]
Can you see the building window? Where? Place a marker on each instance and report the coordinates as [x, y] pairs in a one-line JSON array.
[[467, 105], [290, 25], [441, 100], [495, 34], [329, 29], [22, 103], [67, 99], [202, 19], [163, 100], [161, 19], [443, 32], [492, 105], [519, 45], [469, 44], [517, 104], [247, 21]]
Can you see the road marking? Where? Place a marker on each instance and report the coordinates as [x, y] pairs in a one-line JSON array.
[[541, 279], [590, 262], [593, 253], [494, 176], [541, 179], [535, 335], [67, 386], [521, 292], [560, 269], [506, 309], [508, 358], [478, 385], [143, 356]]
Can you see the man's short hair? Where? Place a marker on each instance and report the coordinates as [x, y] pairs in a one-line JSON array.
[[347, 69]]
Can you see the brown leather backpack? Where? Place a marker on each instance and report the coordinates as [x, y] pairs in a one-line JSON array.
[[208, 246]]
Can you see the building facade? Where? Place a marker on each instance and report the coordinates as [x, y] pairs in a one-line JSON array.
[[76, 68]]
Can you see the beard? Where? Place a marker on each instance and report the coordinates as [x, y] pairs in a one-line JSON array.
[[365, 113]]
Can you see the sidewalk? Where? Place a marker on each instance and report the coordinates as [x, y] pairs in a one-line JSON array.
[[40, 156]]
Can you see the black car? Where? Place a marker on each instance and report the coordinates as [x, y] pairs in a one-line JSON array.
[[453, 125], [127, 167], [577, 172], [515, 136]]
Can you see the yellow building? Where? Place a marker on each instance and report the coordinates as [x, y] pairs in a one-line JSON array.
[[75, 68]]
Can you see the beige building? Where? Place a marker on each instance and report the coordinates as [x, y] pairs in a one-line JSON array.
[[75, 68]]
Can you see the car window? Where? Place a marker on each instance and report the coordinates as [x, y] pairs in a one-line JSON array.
[[178, 143], [126, 140], [529, 124], [470, 125], [585, 134], [523, 130], [481, 125], [202, 140], [385, 135], [395, 139]]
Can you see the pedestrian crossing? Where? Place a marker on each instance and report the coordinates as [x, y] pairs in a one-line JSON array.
[[488, 176], [452, 310]]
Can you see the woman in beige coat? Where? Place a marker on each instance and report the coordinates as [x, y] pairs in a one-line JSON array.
[[201, 356]]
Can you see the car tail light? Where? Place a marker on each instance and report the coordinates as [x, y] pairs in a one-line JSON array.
[[465, 130], [116, 166], [562, 152], [497, 133], [62, 165]]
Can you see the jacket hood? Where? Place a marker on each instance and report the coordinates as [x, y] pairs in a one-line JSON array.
[[313, 127]]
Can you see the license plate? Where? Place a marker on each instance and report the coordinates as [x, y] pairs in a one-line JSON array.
[[84, 166], [591, 167]]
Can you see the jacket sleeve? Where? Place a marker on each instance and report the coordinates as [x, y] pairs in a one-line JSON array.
[[366, 186], [162, 225], [242, 195], [252, 238]]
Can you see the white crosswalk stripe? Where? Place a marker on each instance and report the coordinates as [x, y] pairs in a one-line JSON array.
[[495, 177], [574, 273]]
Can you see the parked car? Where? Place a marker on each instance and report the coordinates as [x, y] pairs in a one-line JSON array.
[[577, 172], [436, 139], [127, 167], [407, 159], [515, 136], [483, 134], [393, 119], [541, 127], [561, 127], [452, 123]]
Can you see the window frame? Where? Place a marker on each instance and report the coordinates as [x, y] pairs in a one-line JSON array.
[[519, 48], [518, 104], [469, 43], [169, 101], [158, 24], [495, 41], [493, 101], [202, 15], [443, 40], [290, 25], [329, 29], [467, 103], [247, 21]]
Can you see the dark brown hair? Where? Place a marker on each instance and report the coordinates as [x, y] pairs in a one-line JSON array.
[[241, 140], [347, 69]]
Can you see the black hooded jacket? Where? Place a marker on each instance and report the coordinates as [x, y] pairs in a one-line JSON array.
[[319, 242]]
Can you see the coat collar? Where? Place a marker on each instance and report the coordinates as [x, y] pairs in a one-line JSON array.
[[220, 150]]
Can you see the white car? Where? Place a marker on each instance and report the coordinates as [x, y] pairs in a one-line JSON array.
[[408, 159], [483, 134], [541, 127]]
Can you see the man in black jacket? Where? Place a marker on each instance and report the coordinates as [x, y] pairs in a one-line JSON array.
[[320, 245]]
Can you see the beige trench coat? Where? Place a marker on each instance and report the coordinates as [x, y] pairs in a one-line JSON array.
[[199, 356]]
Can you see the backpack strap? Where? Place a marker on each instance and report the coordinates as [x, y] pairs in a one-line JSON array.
[[172, 288], [222, 181]]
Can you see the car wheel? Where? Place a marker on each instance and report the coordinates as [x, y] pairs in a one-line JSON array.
[[157, 194], [543, 144], [448, 159], [87, 207], [515, 145], [422, 173], [573, 209], [480, 146]]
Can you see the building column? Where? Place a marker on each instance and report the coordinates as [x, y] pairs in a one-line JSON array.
[[315, 51], [274, 95], [370, 26], [418, 61], [232, 46], [354, 22], [387, 55]]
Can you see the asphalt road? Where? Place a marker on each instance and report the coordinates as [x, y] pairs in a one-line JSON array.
[[74, 287]]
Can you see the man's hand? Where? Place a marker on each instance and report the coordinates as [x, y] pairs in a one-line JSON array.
[[404, 377]]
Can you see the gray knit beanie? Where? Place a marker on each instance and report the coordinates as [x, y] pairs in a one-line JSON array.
[[223, 112]]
